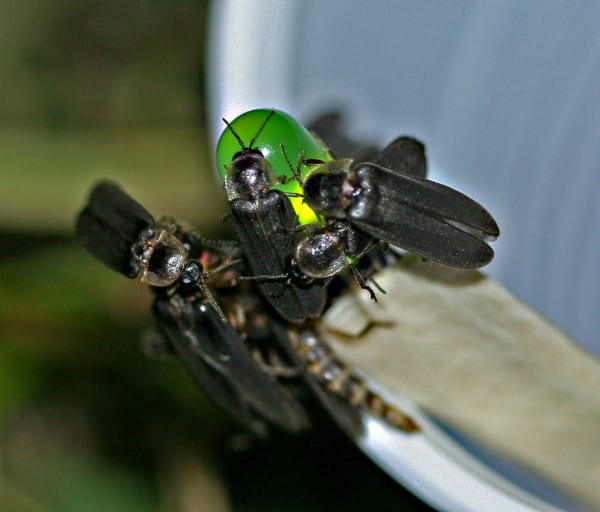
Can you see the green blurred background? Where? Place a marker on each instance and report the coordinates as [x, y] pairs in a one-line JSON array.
[[114, 89]]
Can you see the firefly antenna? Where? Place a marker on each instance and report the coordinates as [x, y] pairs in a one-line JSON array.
[[237, 137], [260, 129], [269, 116], [295, 171]]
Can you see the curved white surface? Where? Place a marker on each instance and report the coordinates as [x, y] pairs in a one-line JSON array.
[[499, 115], [249, 59], [437, 470]]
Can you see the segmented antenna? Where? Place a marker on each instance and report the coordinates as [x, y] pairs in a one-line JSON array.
[[260, 129], [205, 290], [295, 171]]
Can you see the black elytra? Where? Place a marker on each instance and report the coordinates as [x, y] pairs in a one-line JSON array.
[[399, 205], [267, 228]]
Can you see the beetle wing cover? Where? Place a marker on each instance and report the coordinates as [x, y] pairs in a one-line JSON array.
[[110, 225], [221, 364], [266, 229], [426, 218], [404, 154]]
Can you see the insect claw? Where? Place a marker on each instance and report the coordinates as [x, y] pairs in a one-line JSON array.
[[379, 288], [371, 293]]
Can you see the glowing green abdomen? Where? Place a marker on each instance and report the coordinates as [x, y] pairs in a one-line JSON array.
[[280, 129]]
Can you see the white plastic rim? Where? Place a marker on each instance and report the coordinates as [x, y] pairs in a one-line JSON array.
[[439, 471], [248, 59], [252, 64]]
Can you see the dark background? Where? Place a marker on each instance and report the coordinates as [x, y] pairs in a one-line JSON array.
[[113, 89]]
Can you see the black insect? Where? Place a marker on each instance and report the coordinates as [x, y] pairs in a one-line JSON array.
[[390, 199], [327, 250], [335, 245], [268, 230], [124, 236], [241, 357]]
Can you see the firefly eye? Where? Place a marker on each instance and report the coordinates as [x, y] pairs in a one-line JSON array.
[[191, 273]]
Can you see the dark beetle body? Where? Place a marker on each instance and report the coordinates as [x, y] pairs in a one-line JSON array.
[[403, 155], [217, 344], [267, 229], [221, 364], [193, 327], [400, 206], [330, 249], [113, 227], [337, 245]]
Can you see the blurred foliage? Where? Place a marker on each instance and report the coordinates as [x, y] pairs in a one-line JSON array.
[[101, 62], [113, 89], [102, 89]]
